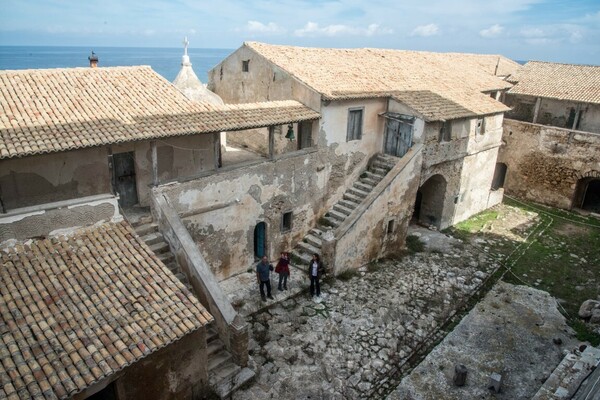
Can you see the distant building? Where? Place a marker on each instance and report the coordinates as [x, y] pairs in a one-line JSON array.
[[551, 151]]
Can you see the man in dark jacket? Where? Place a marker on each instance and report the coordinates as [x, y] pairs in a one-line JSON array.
[[315, 270], [263, 270]]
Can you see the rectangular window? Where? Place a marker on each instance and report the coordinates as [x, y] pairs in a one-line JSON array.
[[480, 128], [245, 65], [355, 123], [390, 226], [446, 132], [286, 221]]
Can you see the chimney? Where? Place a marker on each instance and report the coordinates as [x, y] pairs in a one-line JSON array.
[[93, 60]]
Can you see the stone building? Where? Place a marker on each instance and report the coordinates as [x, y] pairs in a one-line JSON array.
[[551, 151], [433, 116], [77, 147]]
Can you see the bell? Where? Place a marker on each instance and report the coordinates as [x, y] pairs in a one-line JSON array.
[[290, 133]]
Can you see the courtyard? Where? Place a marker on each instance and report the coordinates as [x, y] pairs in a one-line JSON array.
[[374, 326]]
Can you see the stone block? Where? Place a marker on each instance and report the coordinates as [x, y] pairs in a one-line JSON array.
[[495, 383]]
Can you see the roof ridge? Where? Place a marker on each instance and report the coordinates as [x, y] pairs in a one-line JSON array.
[[561, 63], [78, 69]]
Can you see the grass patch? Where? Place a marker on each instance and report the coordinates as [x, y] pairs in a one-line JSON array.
[[414, 244], [347, 275], [374, 266], [478, 222], [556, 254]]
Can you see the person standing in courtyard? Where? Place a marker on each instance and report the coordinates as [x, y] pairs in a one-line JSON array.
[[315, 271], [283, 269], [263, 276]]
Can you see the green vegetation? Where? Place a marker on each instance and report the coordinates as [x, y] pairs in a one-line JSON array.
[[558, 254], [414, 244], [348, 274]]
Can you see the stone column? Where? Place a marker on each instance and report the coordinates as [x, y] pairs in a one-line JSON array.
[[239, 341]]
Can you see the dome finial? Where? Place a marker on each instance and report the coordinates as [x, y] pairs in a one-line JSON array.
[[185, 60]]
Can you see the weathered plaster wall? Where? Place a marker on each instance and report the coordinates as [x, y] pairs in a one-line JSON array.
[[467, 164], [178, 371], [263, 81], [54, 177], [220, 211], [73, 174], [544, 163], [554, 112], [367, 239], [178, 157], [51, 218]]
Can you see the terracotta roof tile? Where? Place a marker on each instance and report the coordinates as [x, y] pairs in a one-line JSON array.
[[362, 73], [53, 110], [558, 81], [75, 309]]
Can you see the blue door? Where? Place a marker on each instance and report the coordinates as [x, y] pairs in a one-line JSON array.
[[260, 240]]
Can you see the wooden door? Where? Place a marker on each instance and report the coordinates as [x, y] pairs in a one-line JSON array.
[[124, 175], [398, 137]]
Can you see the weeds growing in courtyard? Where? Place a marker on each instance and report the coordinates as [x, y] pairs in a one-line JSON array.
[[414, 244]]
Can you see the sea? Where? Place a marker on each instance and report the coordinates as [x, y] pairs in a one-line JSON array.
[[165, 61]]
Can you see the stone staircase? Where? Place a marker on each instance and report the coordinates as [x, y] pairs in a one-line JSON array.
[[378, 168], [224, 375], [147, 230]]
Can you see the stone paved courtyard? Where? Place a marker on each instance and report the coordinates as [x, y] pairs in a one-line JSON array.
[[347, 345]]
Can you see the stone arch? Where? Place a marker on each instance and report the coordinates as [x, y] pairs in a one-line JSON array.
[[499, 176], [429, 204], [587, 193]]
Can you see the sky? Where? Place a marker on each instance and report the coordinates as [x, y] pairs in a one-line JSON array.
[[547, 30]]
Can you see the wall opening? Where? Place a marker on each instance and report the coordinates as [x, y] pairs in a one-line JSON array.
[[499, 176], [429, 203], [286, 221], [390, 227], [587, 194], [108, 393], [124, 178], [260, 240]]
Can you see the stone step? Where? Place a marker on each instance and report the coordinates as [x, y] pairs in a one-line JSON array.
[[348, 205], [363, 186], [308, 248], [218, 359], [380, 172], [166, 258], [329, 222], [214, 347], [173, 267], [229, 380], [303, 257], [349, 196], [313, 240], [336, 215], [316, 232], [374, 177], [361, 194], [139, 220], [160, 247], [211, 334], [389, 162], [145, 229], [370, 181], [341, 209], [382, 165], [182, 278], [153, 238]]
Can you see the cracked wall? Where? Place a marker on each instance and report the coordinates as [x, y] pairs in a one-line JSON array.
[[544, 163]]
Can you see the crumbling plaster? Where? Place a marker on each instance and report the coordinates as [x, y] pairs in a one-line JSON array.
[[544, 163]]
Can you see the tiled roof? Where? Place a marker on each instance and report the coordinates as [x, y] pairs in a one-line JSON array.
[[360, 73], [558, 81], [434, 107], [76, 309], [52, 110]]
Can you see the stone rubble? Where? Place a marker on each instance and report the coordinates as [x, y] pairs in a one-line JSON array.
[[350, 345]]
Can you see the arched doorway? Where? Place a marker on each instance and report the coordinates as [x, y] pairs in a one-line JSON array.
[[587, 194], [260, 240], [499, 176], [429, 203]]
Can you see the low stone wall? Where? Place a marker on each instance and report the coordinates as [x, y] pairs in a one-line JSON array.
[[232, 329], [545, 163], [52, 218]]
